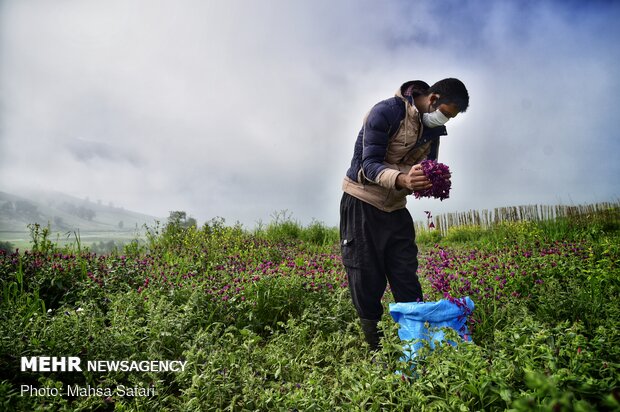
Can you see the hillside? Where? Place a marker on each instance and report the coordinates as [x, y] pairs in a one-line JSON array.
[[66, 214]]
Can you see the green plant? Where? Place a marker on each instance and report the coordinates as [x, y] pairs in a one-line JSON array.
[[40, 238], [319, 234], [464, 234], [428, 237], [265, 321]]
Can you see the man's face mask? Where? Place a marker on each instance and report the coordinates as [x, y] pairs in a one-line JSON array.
[[434, 119]]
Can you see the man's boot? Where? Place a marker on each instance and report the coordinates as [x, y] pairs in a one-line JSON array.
[[371, 333]]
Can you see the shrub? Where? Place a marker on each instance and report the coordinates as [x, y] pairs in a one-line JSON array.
[[7, 247], [464, 234]]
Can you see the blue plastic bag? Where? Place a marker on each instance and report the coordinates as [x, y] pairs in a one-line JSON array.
[[422, 321]]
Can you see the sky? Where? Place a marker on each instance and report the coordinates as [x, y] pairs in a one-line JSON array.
[[247, 110]]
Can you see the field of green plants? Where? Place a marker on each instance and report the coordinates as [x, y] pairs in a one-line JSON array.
[[263, 320]]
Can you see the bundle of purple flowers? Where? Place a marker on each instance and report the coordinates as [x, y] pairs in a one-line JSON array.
[[437, 173]]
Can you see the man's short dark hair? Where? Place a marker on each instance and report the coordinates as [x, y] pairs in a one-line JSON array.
[[451, 91]]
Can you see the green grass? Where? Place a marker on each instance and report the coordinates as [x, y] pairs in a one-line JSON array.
[[265, 322]]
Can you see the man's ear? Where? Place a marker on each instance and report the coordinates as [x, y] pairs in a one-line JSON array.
[[434, 97]]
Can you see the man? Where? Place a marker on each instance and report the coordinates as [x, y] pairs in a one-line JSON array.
[[376, 229]]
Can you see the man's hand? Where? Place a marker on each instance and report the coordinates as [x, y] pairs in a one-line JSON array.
[[414, 180]]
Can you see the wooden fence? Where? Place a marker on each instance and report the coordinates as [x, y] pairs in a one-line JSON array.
[[486, 219]]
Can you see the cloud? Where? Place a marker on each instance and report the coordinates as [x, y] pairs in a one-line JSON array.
[[241, 109], [87, 151]]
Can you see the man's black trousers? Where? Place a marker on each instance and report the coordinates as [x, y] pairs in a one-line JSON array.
[[378, 247]]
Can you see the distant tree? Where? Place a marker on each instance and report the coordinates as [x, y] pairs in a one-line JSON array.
[[90, 214], [178, 218], [7, 247], [191, 222], [102, 248], [84, 213], [121, 224]]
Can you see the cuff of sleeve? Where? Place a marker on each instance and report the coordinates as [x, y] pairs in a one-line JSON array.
[[387, 178]]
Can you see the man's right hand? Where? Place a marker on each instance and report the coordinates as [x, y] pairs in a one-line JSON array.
[[414, 181]]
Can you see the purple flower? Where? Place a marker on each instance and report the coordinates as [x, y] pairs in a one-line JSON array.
[[437, 173]]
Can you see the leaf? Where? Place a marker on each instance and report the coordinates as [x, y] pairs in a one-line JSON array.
[[506, 395]]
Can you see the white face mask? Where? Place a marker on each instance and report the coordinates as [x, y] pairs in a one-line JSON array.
[[434, 119]]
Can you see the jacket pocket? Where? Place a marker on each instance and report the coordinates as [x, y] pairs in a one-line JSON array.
[[395, 199]]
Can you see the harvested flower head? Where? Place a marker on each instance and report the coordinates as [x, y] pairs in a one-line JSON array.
[[436, 172]]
